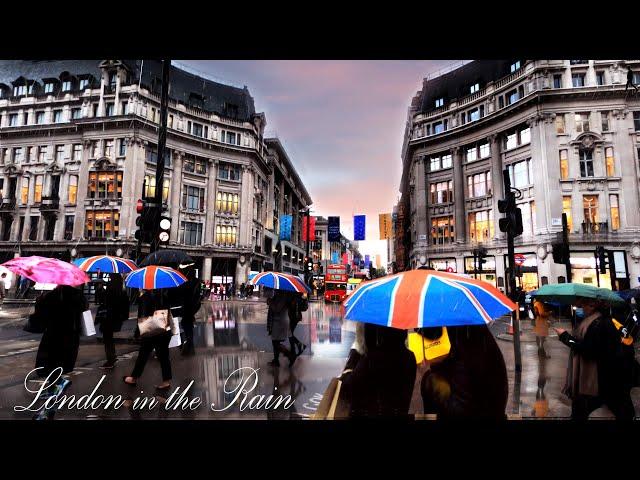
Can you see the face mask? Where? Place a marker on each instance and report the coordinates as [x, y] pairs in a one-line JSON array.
[[579, 313]]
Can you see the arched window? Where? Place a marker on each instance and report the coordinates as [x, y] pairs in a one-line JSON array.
[[218, 234], [235, 203], [218, 202], [586, 162]]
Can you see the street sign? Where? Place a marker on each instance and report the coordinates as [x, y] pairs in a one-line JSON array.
[[519, 259]]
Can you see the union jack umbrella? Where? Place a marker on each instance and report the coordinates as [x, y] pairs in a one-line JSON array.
[[155, 277], [105, 264], [280, 281], [426, 298]]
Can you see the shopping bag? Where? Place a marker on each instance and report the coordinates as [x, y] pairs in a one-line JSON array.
[[176, 340], [156, 324], [88, 327], [175, 325]]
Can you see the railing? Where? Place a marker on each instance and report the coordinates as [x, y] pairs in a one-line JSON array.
[[50, 203], [594, 228], [510, 78], [472, 97]]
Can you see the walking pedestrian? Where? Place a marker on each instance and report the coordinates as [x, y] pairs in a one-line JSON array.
[[190, 306], [541, 329], [241, 291], [278, 325], [298, 305], [149, 302], [61, 311], [3, 290], [113, 310], [600, 369], [471, 380], [383, 376]]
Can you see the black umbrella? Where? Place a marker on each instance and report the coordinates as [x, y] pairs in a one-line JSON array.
[[168, 258]]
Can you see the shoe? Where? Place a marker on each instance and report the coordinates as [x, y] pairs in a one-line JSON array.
[[163, 387], [124, 379], [108, 366]]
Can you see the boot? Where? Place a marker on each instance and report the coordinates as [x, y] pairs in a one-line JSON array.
[[276, 354]]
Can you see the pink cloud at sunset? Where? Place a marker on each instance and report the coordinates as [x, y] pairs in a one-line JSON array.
[[342, 124]]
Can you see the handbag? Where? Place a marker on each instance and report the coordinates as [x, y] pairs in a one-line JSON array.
[[87, 325], [156, 324]]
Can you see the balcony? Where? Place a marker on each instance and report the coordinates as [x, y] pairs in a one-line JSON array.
[[8, 204], [50, 204], [595, 228]]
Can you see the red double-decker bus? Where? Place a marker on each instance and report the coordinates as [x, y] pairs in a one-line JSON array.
[[335, 283]]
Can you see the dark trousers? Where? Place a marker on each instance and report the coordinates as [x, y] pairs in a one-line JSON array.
[[187, 326], [159, 343], [109, 344], [620, 405]]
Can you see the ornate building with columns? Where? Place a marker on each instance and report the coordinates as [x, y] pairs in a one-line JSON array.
[[567, 131], [78, 148]]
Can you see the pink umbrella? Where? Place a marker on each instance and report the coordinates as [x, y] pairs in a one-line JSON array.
[[47, 270]]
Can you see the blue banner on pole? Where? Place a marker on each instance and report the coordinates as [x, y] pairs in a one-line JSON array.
[[334, 229], [285, 227], [359, 227], [367, 261], [335, 257]]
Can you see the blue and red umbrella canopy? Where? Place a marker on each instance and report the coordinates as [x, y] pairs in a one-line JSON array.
[[426, 298], [105, 264], [280, 281], [155, 277]]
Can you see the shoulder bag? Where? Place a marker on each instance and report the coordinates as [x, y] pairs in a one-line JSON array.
[[156, 324]]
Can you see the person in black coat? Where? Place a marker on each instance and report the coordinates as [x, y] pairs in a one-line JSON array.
[[61, 311], [191, 302], [149, 302], [601, 368], [298, 305], [382, 380], [471, 381], [113, 310]]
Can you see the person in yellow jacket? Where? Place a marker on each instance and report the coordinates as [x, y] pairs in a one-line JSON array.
[[541, 328]]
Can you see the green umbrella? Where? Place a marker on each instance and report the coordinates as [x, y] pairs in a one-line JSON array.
[[568, 293]]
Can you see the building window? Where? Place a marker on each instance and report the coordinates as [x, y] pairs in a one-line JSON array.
[[525, 136], [442, 192], [528, 210], [95, 110], [18, 155], [48, 87], [605, 121], [227, 171], [474, 115], [590, 207], [560, 129], [586, 163], [446, 161], [76, 113], [105, 185], [472, 154], [102, 224], [636, 121], [191, 233], [439, 102], [515, 66], [193, 198], [485, 150], [481, 226], [226, 235], [150, 187], [520, 173], [33, 228], [512, 97], [564, 165], [474, 88], [577, 79], [72, 189], [110, 110], [609, 161], [57, 116], [66, 86], [600, 78], [566, 209], [59, 153], [108, 148], [438, 127], [227, 202], [37, 197], [68, 227], [152, 156], [24, 191], [479, 185], [434, 164], [169, 121], [124, 108], [19, 90], [195, 165], [84, 82], [77, 152], [30, 154], [42, 152], [442, 230], [615, 212], [39, 118], [13, 120], [196, 129], [582, 122], [113, 77], [122, 147], [557, 81], [512, 141]]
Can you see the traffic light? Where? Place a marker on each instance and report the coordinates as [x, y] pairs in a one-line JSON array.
[[512, 222], [165, 230], [482, 253], [145, 222], [561, 253], [308, 264]]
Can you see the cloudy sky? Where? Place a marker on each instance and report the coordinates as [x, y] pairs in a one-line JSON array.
[[342, 124]]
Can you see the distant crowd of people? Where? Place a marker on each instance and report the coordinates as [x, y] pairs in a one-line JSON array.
[[220, 291]]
